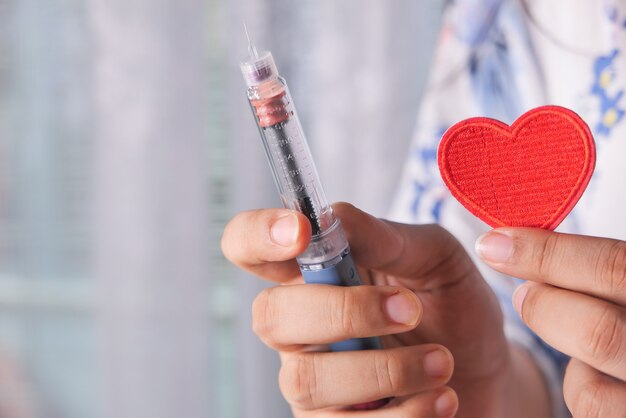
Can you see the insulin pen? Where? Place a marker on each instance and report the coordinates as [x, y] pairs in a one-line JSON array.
[[327, 259]]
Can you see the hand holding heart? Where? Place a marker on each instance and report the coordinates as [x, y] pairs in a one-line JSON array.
[[575, 300], [532, 174]]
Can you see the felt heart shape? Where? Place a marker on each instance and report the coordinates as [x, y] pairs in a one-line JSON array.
[[531, 173]]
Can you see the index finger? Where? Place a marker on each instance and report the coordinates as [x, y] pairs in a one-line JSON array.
[[591, 265]]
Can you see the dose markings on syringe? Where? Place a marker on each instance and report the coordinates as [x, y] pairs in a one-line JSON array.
[[288, 160]]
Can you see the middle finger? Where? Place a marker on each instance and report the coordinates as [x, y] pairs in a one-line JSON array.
[[589, 329]]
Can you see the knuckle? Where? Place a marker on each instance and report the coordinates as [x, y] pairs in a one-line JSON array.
[[449, 245], [446, 237], [450, 260], [345, 313], [587, 402], [389, 373], [298, 381], [546, 254], [611, 267], [603, 340], [264, 315]]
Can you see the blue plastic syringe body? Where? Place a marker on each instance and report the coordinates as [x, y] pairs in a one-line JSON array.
[[327, 259]]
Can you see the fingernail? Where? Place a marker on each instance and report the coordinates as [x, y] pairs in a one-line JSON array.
[[402, 308], [495, 247], [518, 297], [284, 231], [436, 364], [445, 405]]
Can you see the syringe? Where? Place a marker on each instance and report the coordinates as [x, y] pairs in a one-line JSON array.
[[327, 259]]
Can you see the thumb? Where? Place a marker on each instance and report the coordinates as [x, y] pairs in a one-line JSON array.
[[399, 249]]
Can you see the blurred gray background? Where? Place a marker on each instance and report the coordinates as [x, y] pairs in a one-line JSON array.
[[126, 144]]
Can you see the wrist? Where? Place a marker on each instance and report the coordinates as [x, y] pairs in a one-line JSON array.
[[516, 389], [524, 390]]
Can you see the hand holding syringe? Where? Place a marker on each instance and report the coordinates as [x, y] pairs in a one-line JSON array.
[[327, 259]]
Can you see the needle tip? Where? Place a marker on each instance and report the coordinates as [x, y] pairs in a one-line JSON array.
[[251, 48]]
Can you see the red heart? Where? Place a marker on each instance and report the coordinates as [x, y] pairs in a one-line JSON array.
[[531, 173]]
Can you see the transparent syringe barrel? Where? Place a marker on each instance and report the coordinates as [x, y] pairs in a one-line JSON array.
[[294, 172]]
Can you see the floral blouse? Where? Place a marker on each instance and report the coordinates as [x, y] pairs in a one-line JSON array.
[[500, 58]]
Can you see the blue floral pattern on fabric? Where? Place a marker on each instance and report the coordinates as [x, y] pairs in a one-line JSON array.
[[430, 185], [611, 111]]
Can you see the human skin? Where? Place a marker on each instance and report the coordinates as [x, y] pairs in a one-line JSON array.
[[575, 300], [422, 295]]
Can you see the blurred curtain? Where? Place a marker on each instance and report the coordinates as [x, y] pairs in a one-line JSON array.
[[126, 144], [151, 207]]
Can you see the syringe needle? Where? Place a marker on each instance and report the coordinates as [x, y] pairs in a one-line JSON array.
[[251, 48]]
